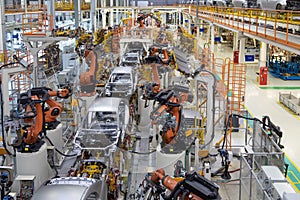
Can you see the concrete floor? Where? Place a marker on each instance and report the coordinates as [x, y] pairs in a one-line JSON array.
[[264, 101]]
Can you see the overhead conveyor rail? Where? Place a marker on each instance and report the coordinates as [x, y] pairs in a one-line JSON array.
[[277, 27]]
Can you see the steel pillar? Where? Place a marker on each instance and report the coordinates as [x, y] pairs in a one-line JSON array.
[[263, 54], [111, 17], [242, 49], [93, 6], [77, 13], [117, 12], [235, 41], [212, 37], [2, 28], [51, 12], [103, 12]]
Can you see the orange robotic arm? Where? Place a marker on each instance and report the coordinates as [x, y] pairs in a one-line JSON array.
[[88, 77], [170, 183], [191, 187], [170, 104], [35, 116], [55, 107], [32, 132]]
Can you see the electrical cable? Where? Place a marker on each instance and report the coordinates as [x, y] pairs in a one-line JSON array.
[[177, 187], [54, 166], [228, 121], [248, 142], [198, 71], [185, 192], [2, 122], [61, 153], [3, 160], [177, 193], [235, 170]]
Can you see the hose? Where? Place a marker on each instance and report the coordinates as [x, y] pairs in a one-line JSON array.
[[177, 187], [58, 151], [2, 124], [177, 193], [185, 192], [54, 166]]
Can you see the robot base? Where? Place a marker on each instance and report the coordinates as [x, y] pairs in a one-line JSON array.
[[33, 164], [167, 161], [30, 148], [56, 137]]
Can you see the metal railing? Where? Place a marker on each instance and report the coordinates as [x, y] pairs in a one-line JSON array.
[[36, 24], [263, 151], [266, 151], [250, 186], [279, 26]]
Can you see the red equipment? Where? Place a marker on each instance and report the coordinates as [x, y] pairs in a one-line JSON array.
[[263, 75]]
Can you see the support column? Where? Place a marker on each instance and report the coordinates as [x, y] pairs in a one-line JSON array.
[[235, 45], [103, 12], [111, 16], [117, 12], [39, 4], [212, 38], [242, 50], [25, 6], [93, 15], [2, 29], [51, 13], [111, 21], [189, 25], [263, 54], [175, 19], [77, 13], [207, 37], [132, 17]]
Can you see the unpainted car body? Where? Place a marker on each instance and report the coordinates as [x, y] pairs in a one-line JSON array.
[[209, 2], [272, 4], [104, 124], [131, 59], [72, 188], [121, 83], [245, 3]]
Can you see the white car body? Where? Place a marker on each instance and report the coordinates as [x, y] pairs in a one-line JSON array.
[[212, 2], [121, 83], [272, 4]]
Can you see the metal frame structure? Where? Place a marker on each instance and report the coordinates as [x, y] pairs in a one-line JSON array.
[[271, 26]]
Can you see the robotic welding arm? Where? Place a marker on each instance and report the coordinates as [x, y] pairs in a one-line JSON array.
[[31, 110], [192, 186]]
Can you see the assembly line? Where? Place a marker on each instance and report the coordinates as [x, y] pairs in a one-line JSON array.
[[138, 110]]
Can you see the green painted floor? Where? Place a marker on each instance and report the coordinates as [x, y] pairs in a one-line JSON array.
[[293, 174]]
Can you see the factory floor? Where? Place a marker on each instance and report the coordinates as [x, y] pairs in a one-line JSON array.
[[263, 100]]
